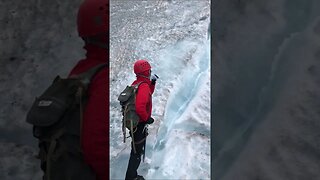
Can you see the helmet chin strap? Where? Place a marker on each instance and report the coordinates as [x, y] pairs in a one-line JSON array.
[[94, 41]]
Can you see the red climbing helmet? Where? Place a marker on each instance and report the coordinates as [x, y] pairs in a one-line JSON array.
[[141, 66], [93, 18]]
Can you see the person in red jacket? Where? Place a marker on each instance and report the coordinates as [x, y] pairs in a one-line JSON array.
[[93, 28], [143, 104]]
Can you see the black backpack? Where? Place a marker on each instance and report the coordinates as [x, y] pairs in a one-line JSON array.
[[127, 99], [56, 117]]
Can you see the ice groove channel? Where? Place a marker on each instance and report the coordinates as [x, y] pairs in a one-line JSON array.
[[179, 101]]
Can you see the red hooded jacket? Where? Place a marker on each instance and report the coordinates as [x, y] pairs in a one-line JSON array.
[[144, 98], [95, 127]]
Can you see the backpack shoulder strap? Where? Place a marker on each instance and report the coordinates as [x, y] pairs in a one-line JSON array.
[[136, 86], [87, 76], [85, 79]]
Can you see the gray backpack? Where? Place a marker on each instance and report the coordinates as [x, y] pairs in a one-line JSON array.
[[56, 117]]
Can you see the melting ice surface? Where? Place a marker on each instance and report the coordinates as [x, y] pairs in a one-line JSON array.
[[178, 141], [181, 145], [178, 145]]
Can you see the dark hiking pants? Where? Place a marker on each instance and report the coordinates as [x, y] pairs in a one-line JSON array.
[[135, 158]]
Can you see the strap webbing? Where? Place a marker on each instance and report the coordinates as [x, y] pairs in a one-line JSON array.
[[52, 146], [123, 131], [81, 113], [133, 144], [141, 141], [86, 76]]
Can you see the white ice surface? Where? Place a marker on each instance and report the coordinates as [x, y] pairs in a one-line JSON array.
[[175, 41]]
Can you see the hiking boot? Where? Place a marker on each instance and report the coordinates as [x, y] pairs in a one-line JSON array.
[[139, 178]]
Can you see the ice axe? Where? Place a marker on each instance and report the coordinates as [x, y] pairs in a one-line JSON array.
[[154, 78]]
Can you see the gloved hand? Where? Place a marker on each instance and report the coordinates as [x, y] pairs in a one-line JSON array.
[[150, 120], [154, 78]]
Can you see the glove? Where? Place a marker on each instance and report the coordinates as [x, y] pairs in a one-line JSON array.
[[150, 120], [154, 78]]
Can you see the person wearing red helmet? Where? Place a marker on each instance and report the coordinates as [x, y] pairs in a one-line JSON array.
[[143, 104], [93, 28]]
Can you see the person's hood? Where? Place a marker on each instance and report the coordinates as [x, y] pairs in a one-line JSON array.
[[94, 56], [96, 53], [144, 73], [140, 78]]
